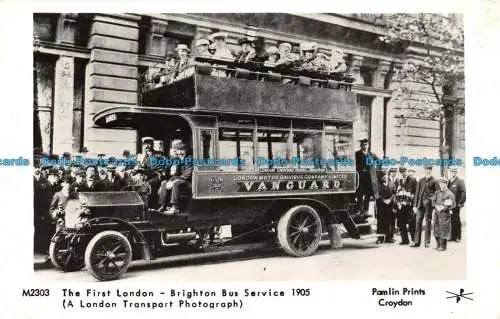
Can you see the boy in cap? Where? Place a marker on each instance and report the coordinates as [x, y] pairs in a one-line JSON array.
[[422, 206], [444, 202], [457, 187], [407, 186]]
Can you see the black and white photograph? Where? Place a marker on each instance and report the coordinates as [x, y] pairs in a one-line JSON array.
[[236, 159], [233, 143]]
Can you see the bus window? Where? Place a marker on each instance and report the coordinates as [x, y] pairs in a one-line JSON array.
[[207, 150], [236, 143], [338, 146], [272, 145], [307, 147]]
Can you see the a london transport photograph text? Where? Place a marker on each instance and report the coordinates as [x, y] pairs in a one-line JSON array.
[[273, 105]]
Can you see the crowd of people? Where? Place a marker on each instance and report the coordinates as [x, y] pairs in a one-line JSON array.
[[251, 50], [160, 186], [404, 203]]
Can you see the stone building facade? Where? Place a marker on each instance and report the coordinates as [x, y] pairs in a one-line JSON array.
[[84, 63]]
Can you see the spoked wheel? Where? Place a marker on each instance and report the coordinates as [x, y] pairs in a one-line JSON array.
[[299, 231], [64, 254], [108, 255]]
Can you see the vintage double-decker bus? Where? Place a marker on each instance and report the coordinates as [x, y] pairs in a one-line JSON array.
[[273, 157]]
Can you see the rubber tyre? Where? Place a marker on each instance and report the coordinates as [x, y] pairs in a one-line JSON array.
[[291, 243], [74, 265], [92, 252]]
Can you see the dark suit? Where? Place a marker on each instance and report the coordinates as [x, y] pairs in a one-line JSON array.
[[457, 187], [405, 194], [368, 183], [244, 57], [426, 188]]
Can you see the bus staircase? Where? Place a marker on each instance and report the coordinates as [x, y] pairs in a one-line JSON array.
[[357, 227]]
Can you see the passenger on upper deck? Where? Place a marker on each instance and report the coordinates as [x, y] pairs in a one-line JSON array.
[[273, 55], [170, 68], [261, 54], [321, 62], [337, 62], [221, 49], [202, 48], [247, 52], [185, 65]]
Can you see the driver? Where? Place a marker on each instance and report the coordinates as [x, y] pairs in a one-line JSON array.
[[179, 181]]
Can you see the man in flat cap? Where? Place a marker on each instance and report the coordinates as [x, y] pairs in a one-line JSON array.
[[457, 186], [422, 206], [368, 182], [179, 182], [444, 202], [407, 186]]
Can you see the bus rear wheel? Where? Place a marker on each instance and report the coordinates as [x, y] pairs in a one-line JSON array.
[[299, 231]]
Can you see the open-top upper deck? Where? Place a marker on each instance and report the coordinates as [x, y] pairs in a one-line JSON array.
[[218, 88]]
